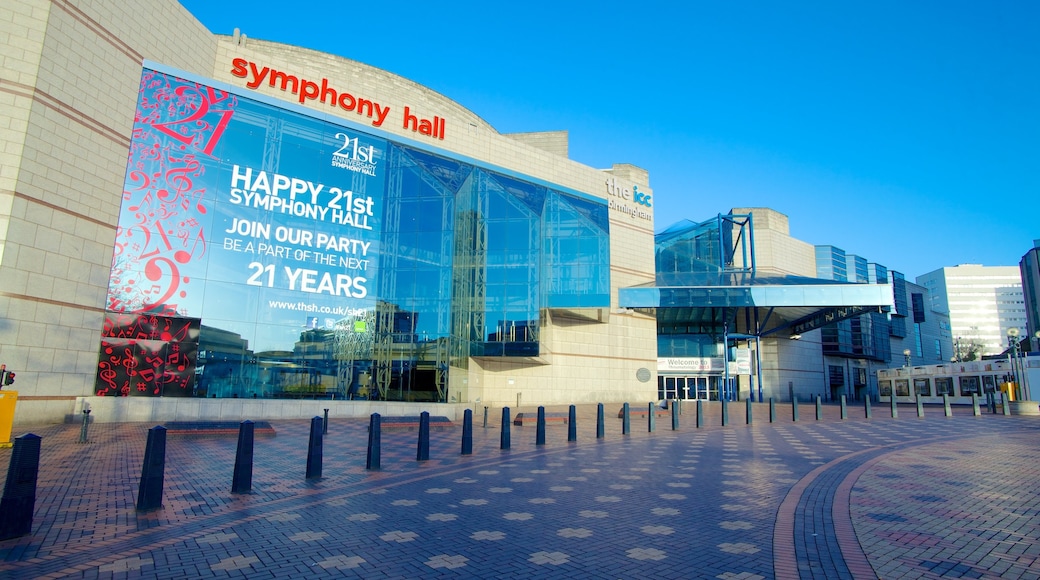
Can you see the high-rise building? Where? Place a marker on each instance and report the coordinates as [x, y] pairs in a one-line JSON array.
[[1029, 267], [983, 303]]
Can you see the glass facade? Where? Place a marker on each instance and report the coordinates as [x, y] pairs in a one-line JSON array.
[[263, 252]]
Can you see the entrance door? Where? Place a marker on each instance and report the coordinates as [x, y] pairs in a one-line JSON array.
[[699, 388]]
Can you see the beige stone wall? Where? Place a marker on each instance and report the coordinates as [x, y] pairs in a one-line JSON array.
[[69, 78]]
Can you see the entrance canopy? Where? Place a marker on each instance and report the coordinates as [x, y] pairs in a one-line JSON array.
[[753, 305]]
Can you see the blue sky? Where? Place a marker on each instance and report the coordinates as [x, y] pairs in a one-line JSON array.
[[906, 132]]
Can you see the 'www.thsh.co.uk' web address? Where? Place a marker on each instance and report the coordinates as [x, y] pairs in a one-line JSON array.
[[314, 308]]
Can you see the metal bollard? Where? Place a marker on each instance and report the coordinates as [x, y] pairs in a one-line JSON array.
[[725, 412], [83, 429], [895, 409], [1004, 405], [314, 449], [844, 408], [150, 490], [819, 408], [975, 410], [651, 415], [373, 457], [505, 438], [794, 408], [700, 414], [572, 423], [920, 407], [601, 428], [467, 432], [539, 433], [866, 406], [772, 410], [325, 424], [626, 424], [422, 448], [485, 416], [242, 478], [675, 415], [748, 419], [19, 499], [946, 405]]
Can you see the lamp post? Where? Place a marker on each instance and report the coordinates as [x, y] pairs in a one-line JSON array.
[[906, 357]]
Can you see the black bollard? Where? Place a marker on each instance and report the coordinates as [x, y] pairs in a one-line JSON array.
[[572, 423], [83, 429], [505, 439], [539, 431], [601, 428], [700, 414], [314, 449], [651, 418], [748, 418], [467, 432], [725, 412], [242, 479], [675, 414], [991, 402], [150, 490], [422, 449], [373, 459], [626, 424], [772, 410], [844, 408], [794, 408], [819, 408], [19, 501], [325, 424], [485, 416], [866, 406]]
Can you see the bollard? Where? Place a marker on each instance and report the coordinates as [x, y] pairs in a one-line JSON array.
[[866, 406], [700, 414], [373, 458], [678, 405], [422, 448], [772, 410], [651, 418], [539, 433], [819, 408], [485, 416], [467, 432], [314, 449], [601, 428], [83, 429], [19, 500], [1004, 404], [675, 415], [149, 492], [748, 417], [504, 440], [325, 424], [626, 424], [572, 423], [975, 410], [794, 408], [895, 409], [725, 412], [920, 407], [991, 403], [946, 405], [242, 478], [844, 408]]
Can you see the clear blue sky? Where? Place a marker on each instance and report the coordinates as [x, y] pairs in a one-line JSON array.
[[907, 132]]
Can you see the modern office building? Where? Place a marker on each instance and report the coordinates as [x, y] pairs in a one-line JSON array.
[[1029, 268], [983, 303]]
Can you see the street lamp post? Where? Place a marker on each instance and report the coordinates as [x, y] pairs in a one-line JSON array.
[[1012, 336], [906, 357]]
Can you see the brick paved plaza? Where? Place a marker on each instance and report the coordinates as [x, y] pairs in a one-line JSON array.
[[906, 497]]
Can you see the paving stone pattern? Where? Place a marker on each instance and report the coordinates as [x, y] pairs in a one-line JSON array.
[[932, 497]]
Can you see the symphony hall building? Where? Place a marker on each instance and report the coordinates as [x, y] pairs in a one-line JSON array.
[[217, 226], [199, 226]]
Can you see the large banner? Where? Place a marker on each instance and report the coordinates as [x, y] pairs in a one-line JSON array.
[[252, 218]]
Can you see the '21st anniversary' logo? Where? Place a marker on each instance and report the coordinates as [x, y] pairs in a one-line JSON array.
[[354, 156]]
